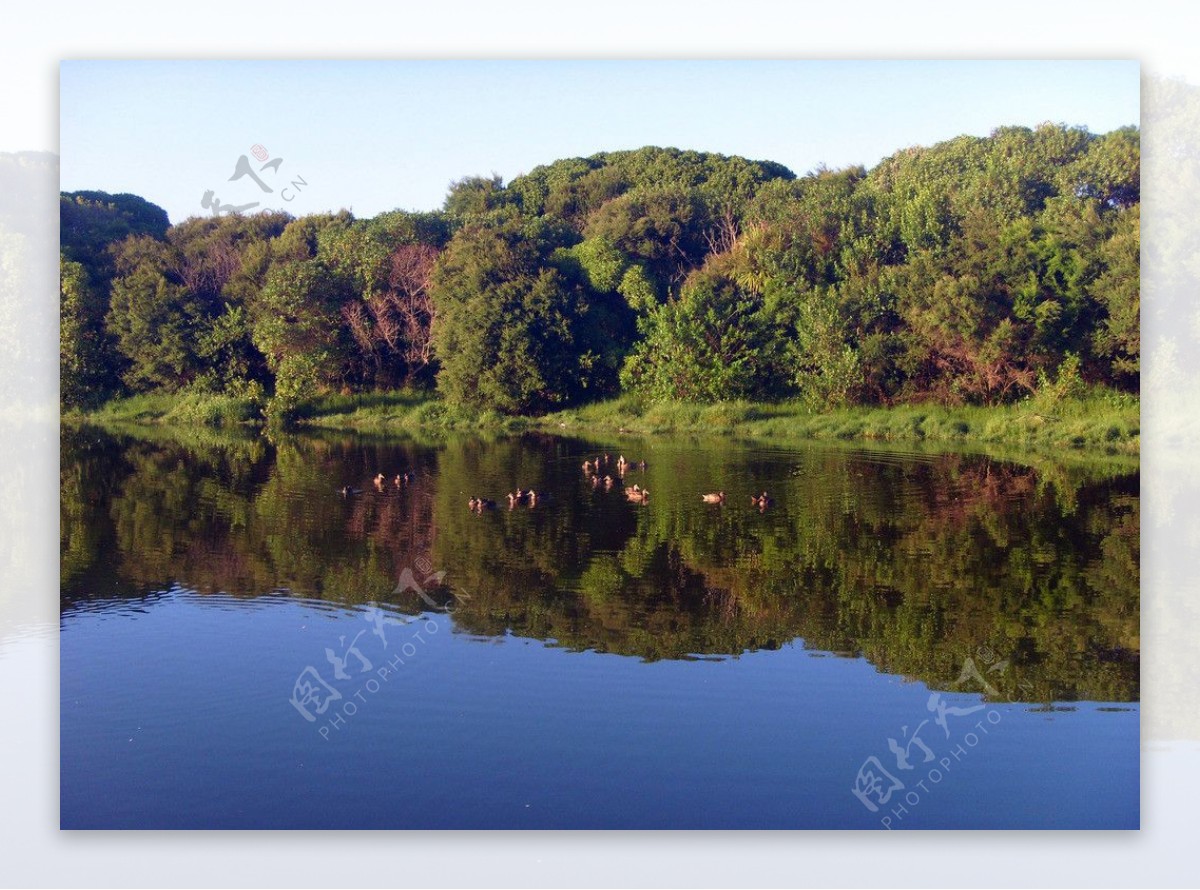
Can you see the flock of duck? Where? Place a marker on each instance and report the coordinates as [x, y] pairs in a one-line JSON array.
[[593, 468], [518, 498], [400, 481], [605, 473], [762, 501], [598, 472]]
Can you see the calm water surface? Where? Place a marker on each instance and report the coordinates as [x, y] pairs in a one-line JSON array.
[[243, 646]]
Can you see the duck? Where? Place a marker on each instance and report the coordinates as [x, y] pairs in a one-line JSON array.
[[379, 481], [717, 497], [641, 465], [482, 504], [587, 466], [762, 501], [346, 490], [473, 503], [532, 497], [638, 495], [608, 482]]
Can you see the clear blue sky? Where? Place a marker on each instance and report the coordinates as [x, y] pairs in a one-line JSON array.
[[373, 136]]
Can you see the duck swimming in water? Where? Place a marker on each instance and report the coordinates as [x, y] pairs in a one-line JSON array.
[[717, 497]]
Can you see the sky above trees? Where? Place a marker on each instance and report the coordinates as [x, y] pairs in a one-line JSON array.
[[375, 136]]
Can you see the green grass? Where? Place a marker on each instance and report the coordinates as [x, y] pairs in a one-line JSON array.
[[195, 408], [409, 411], [1098, 420], [1102, 420]]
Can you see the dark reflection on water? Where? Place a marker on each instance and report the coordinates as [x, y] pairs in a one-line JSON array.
[[910, 561]]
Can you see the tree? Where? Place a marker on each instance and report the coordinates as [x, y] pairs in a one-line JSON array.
[[716, 342], [86, 368], [155, 319], [506, 320], [179, 308], [91, 226], [664, 231], [297, 327], [476, 195], [1118, 290], [393, 324]]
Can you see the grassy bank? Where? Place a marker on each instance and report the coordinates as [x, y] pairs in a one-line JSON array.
[[1099, 420], [405, 411], [186, 408]]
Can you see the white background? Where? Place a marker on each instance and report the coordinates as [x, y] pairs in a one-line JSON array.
[[35, 36]]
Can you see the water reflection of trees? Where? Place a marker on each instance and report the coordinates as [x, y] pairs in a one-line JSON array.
[[911, 563]]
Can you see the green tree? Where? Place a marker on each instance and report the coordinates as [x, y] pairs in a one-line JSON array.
[[86, 365], [297, 326], [91, 226], [156, 320], [1118, 290], [716, 342], [476, 196], [664, 231], [507, 320]]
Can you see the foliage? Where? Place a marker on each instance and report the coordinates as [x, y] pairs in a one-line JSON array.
[[962, 273], [716, 342], [296, 328], [508, 322]]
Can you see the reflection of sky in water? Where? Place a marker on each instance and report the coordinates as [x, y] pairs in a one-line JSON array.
[[179, 714]]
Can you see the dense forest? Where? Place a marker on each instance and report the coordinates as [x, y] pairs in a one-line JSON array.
[[974, 271]]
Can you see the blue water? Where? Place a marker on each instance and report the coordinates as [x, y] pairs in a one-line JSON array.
[[592, 662], [192, 726]]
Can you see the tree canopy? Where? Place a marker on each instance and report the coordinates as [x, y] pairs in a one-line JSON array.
[[964, 272]]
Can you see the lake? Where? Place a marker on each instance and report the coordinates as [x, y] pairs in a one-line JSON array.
[[898, 640]]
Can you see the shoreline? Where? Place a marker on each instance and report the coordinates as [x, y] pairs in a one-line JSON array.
[[1103, 424]]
